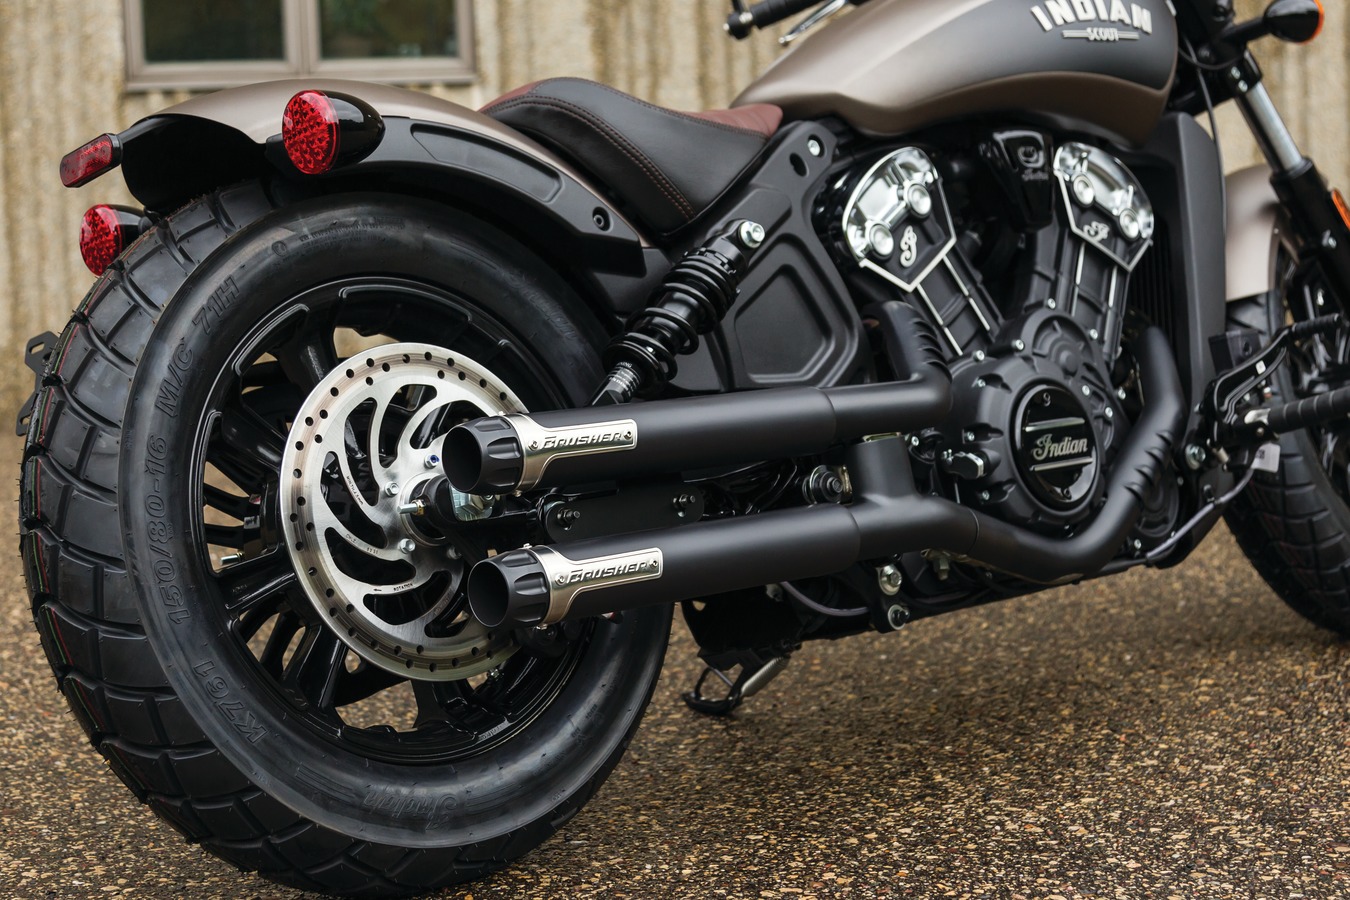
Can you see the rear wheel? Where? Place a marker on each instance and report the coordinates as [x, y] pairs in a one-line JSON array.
[[1294, 524], [288, 672]]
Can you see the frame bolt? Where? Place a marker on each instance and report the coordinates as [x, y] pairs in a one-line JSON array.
[[752, 234], [391, 489], [1196, 456], [432, 461], [889, 580], [407, 545], [815, 147], [1019, 345]]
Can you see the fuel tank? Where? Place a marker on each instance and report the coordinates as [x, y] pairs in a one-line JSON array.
[[894, 66]]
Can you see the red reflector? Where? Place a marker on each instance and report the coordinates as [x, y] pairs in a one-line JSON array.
[[309, 130], [90, 161], [105, 231]]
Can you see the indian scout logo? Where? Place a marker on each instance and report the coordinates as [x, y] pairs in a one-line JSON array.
[[1049, 448], [1103, 19]]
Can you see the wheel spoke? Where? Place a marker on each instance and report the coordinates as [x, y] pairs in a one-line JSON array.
[[254, 581], [236, 536], [249, 623], [365, 682], [246, 432], [310, 356], [230, 504], [313, 671], [246, 471], [274, 651], [434, 699]]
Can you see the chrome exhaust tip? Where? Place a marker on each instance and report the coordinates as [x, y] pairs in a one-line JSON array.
[[538, 586]]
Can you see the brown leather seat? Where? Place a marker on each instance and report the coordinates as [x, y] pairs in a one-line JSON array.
[[665, 166]]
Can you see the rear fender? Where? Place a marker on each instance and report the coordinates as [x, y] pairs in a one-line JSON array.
[[1254, 233], [431, 147]]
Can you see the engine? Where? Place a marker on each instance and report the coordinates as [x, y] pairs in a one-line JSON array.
[[1037, 416]]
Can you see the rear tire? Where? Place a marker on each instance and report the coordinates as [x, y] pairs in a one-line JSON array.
[[127, 598], [1294, 524]]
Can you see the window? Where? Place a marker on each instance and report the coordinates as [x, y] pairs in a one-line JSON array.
[[217, 43]]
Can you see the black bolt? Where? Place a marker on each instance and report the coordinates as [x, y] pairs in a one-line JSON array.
[[897, 616]]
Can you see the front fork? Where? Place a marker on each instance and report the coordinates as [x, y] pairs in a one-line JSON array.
[[1319, 219]]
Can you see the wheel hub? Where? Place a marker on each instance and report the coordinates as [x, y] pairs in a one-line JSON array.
[[362, 444]]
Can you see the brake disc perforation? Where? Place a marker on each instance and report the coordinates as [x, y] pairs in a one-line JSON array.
[[428, 381]]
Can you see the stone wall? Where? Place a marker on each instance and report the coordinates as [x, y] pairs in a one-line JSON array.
[[61, 83]]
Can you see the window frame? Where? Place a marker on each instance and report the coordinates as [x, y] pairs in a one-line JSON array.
[[300, 23]]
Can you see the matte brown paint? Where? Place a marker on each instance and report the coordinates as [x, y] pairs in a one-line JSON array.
[[897, 65], [1253, 238]]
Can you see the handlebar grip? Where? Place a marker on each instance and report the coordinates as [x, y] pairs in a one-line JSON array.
[[1316, 410], [762, 15]]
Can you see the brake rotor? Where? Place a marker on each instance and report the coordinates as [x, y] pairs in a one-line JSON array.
[[362, 443]]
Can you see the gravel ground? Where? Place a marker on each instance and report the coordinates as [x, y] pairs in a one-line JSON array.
[[1161, 734]]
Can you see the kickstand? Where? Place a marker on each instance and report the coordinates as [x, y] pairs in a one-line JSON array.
[[750, 681]]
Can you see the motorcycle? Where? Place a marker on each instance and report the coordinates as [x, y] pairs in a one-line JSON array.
[[359, 491]]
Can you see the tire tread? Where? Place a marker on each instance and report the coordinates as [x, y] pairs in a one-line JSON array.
[[1289, 523], [84, 608]]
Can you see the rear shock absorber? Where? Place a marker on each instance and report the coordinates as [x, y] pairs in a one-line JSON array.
[[693, 298]]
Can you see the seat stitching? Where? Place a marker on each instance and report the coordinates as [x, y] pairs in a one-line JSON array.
[[613, 136]]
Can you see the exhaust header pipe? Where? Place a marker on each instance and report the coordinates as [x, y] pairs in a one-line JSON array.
[[544, 585], [501, 454]]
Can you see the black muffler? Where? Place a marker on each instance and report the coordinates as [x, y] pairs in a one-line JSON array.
[[888, 516], [501, 454]]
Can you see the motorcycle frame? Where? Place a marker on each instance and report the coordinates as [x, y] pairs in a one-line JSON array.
[[467, 159]]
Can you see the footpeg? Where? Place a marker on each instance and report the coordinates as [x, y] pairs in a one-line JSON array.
[[1318, 409], [750, 681], [1247, 368]]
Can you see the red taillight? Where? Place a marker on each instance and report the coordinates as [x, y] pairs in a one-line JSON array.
[[90, 161], [309, 129], [105, 231]]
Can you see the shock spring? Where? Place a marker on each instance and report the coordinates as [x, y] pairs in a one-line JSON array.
[[693, 298]]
